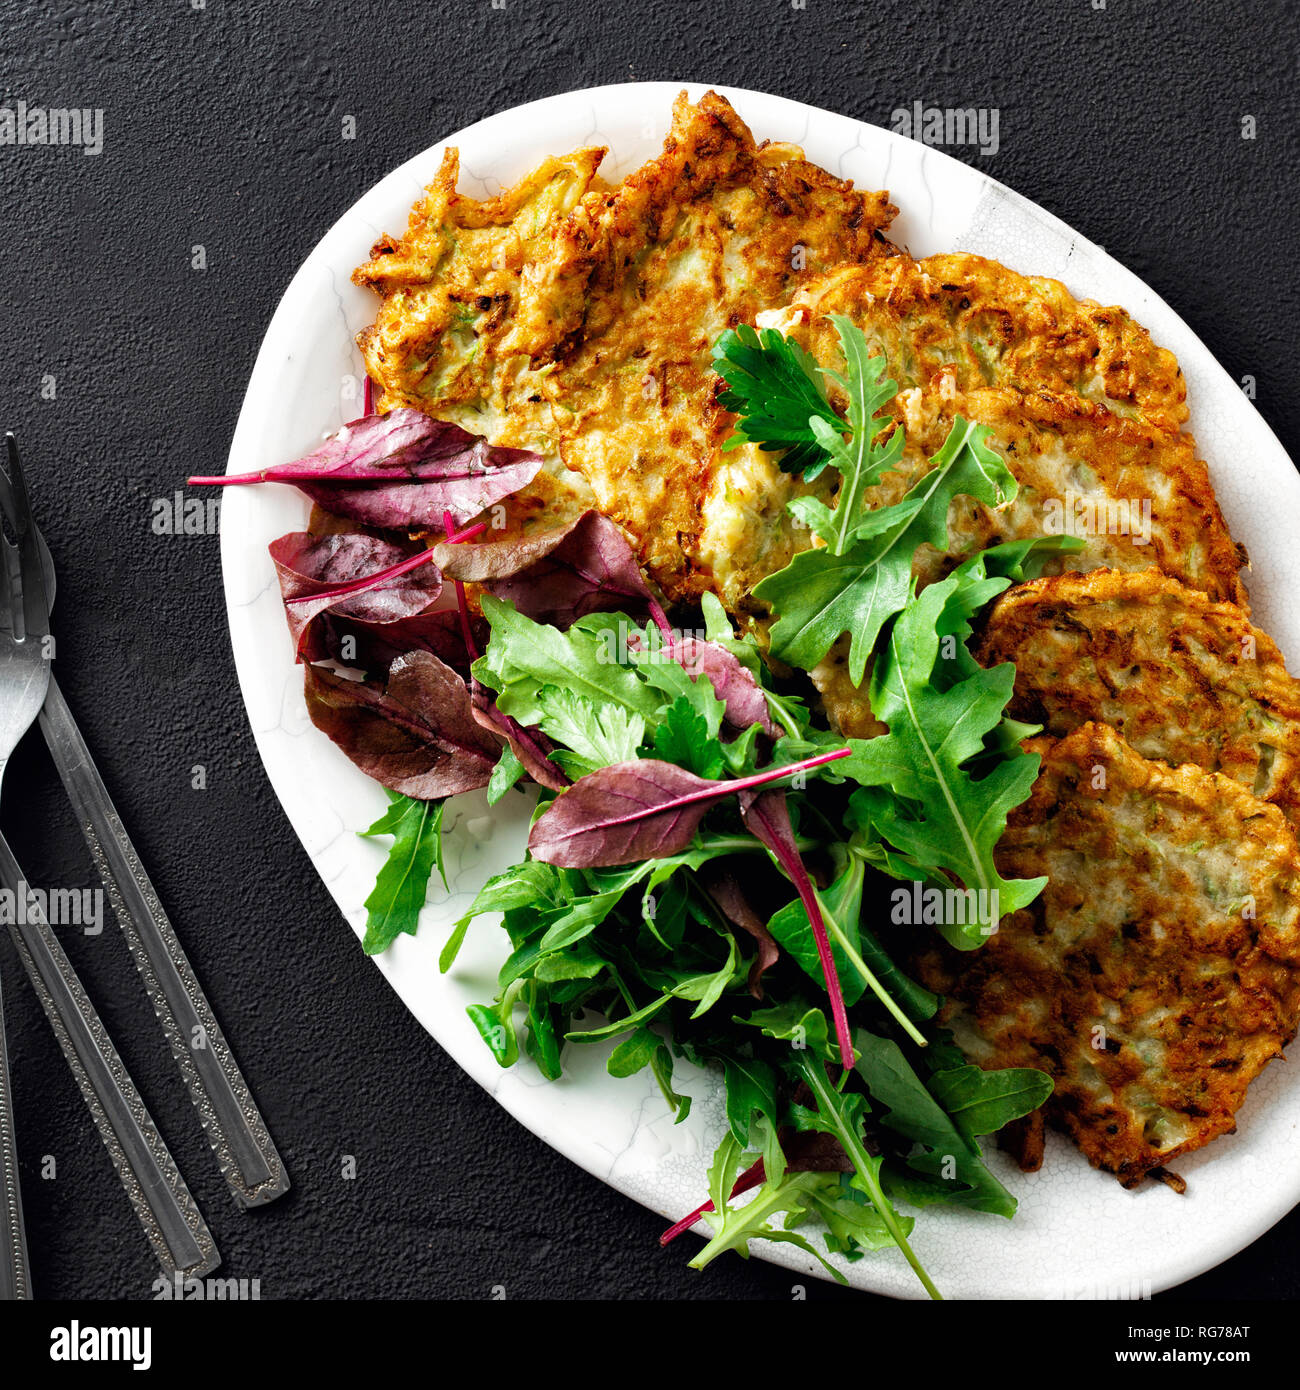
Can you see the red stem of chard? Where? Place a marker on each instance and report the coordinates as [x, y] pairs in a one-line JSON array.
[[751, 1177], [454, 537], [354, 586], [368, 396], [470, 645], [798, 875], [813, 908], [752, 780]]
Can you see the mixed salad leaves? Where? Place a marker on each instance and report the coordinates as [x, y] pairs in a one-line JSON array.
[[683, 786]]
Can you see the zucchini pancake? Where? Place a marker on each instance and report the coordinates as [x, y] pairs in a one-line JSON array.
[[1159, 970]]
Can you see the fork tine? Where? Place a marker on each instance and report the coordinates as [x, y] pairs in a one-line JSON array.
[[10, 565], [18, 482], [35, 601], [7, 500]]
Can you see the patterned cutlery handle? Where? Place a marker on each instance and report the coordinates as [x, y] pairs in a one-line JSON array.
[[244, 1148], [15, 1274], [175, 1226]]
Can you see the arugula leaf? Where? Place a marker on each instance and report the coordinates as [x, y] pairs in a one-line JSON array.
[[751, 1088], [796, 1023], [773, 388], [840, 1113], [707, 988], [620, 1025], [542, 1041], [873, 447], [735, 1226], [949, 1156], [524, 885], [634, 1053], [496, 1025], [853, 1225], [661, 1064], [869, 807], [981, 1102], [982, 578], [504, 776], [524, 656], [826, 591], [402, 884], [940, 815]]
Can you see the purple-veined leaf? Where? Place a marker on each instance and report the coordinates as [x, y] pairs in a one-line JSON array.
[[644, 809], [498, 555], [768, 817], [727, 893], [531, 746], [416, 733], [557, 576], [732, 683], [401, 471], [378, 592]]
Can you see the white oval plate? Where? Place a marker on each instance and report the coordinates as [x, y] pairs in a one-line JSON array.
[[1078, 1233]]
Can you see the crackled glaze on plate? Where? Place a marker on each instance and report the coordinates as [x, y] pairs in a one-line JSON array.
[[1078, 1234]]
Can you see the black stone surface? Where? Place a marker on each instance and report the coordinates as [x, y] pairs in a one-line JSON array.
[[222, 128]]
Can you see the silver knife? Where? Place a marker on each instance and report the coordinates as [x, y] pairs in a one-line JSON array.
[[244, 1148]]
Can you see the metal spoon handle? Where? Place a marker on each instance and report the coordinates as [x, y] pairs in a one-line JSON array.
[[175, 1226], [239, 1137]]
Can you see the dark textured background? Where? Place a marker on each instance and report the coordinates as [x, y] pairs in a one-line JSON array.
[[223, 128]]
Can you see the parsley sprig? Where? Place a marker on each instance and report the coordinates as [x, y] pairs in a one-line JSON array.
[[773, 387]]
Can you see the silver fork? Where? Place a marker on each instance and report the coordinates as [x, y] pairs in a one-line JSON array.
[[172, 1221]]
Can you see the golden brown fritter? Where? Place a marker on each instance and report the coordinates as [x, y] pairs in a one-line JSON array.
[[579, 320], [640, 283], [1158, 973], [978, 323], [450, 289], [1083, 407], [1183, 679]]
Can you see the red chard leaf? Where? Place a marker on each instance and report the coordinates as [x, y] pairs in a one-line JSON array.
[[416, 734], [401, 471], [503, 555], [644, 809], [531, 746], [727, 893], [732, 683], [378, 592], [556, 576]]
